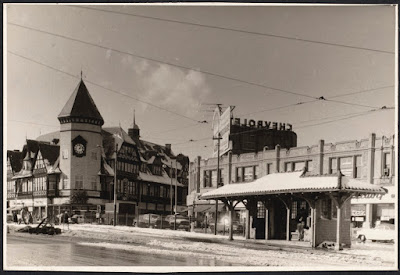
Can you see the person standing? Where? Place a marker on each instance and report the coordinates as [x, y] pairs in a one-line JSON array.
[[15, 217], [66, 221], [301, 221]]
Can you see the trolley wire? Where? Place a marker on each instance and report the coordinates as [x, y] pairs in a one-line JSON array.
[[235, 30], [178, 66]]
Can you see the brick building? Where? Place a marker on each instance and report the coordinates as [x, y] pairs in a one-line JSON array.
[[371, 160], [73, 169]]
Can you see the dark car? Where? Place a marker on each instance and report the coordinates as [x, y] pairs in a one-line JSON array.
[[148, 220], [182, 222]]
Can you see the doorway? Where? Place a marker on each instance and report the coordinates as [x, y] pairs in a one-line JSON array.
[[277, 221]]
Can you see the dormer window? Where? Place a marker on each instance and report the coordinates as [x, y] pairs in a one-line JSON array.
[[156, 170]]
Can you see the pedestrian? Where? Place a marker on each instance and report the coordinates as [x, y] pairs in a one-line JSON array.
[[15, 217], [66, 221], [301, 221]]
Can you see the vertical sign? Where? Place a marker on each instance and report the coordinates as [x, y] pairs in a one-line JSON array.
[[221, 125]]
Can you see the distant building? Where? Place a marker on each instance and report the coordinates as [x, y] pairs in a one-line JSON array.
[[73, 169], [371, 160]]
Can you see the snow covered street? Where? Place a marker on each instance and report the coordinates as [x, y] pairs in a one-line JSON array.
[[217, 249]]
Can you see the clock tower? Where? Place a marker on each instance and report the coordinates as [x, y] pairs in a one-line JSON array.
[[80, 138]]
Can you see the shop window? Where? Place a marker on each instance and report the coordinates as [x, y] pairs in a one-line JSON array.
[[386, 164], [332, 165], [256, 172], [326, 209], [207, 178], [260, 210], [357, 167], [310, 166], [248, 173], [299, 166], [288, 166], [65, 183], [239, 174], [294, 210], [269, 168], [346, 166], [94, 182], [213, 178], [78, 182]]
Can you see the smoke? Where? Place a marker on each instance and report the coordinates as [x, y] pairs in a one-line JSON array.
[[172, 88]]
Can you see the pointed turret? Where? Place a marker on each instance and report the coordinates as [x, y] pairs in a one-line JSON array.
[[80, 107], [134, 132]]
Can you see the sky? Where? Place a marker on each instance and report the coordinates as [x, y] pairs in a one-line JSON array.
[[172, 64]]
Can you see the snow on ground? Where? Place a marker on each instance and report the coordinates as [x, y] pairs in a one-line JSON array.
[[237, 252]]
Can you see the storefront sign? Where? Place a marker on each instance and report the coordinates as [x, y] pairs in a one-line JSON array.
[[358, 213], [221, 128], [262, 124]]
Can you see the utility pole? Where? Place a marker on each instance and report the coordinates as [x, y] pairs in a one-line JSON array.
[[216, 201], [176, 191], [115, 186], [170, 189]]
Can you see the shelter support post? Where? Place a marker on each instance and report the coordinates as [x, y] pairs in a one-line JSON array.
[[313, 226], [287, 201], [267, 204], [231, 206], [338, 225], [247, 224], [251, 205], [287, 223], [312, 201], [266, 224], [339, 201]]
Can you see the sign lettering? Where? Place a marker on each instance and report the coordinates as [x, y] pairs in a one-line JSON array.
[[263, 124]]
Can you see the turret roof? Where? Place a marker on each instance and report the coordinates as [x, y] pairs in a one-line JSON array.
[[81, 105]]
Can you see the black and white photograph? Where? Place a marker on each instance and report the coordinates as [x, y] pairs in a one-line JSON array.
[[203, 137]]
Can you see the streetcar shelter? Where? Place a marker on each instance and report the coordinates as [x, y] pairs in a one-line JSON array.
[[326, 199]]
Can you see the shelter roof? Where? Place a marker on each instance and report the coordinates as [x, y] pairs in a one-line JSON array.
[[293, 182]]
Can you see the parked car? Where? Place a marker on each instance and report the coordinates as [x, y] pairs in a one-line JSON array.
[[237, 226], [77, 219], [182, 222], [148, 220], [381, 232]]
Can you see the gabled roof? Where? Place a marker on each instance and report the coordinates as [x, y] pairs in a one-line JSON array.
[[49, 137], [49, 152], [119, 133], [16, 158], [163, 179], [114, 136], [81, 105], [293, 182]]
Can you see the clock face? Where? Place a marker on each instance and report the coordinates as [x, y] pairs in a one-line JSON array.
[[79, 148]]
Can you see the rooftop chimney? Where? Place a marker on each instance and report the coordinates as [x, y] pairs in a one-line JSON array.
[[168, 148]]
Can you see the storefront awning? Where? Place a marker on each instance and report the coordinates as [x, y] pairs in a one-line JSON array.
[[294, 182]]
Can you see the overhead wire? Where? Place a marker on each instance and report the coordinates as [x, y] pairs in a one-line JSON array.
[[175, 65], [103, 87], [235, 30], [322, 98]]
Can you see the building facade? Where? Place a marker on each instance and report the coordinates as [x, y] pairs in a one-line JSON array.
[[74, 168], [371, 160]]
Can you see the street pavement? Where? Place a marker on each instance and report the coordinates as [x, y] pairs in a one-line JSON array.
[[100, 245]]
